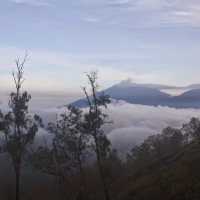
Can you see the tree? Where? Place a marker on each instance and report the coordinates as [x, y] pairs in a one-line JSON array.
[[156, 148], [113, 166], [191, 130], [18, 126], [95, 118], [67, 154], [71, 142]]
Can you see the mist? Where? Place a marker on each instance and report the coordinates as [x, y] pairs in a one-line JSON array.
[[130, 124]]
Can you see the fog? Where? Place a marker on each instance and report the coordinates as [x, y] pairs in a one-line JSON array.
[[131, 124], [43, 100]]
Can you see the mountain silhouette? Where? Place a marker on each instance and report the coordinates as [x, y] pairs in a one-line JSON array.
[[150, 94]]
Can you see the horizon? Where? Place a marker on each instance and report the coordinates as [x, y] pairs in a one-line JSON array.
[[175, 90], [149, 41], [62, 91]]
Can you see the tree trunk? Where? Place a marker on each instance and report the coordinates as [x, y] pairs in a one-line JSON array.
[[82, 191], [99, 163], [105, 188], [17, 182]]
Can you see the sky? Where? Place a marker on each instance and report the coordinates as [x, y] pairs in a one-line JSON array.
[[149, 41]]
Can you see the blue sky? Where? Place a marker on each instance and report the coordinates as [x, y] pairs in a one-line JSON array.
[[153, 41]]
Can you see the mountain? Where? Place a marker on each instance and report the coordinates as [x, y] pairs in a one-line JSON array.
[[189, 99], [129, 83], [190, 95], [151, 94], [193, 86], [159, 86], [146, 94], [137, 94]]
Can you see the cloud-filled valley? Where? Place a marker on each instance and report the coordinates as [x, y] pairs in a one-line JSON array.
[[131, 123]]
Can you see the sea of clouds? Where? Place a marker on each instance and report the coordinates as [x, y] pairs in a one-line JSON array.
[[131, 124]]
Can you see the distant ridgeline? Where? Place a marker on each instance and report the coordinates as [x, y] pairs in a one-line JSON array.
[[151, 94]]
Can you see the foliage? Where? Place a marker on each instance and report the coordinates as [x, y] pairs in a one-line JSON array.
[[18, 126], [94, 121]]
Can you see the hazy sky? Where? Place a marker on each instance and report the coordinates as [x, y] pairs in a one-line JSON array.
[[154, 41]]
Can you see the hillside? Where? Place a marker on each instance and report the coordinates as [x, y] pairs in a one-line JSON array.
[[189, 99], [173, 177]]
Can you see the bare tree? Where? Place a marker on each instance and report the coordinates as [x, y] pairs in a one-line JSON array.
[[19, 127], [94, 120]]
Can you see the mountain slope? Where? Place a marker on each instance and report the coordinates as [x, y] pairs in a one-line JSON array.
[[132, 93], [190, 95], [149, 94], [189, 99], [137, 94]]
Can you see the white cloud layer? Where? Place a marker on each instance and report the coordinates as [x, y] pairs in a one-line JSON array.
[[133, 123]]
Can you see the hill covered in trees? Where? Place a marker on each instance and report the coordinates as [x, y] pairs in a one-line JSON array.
[[165, 165]]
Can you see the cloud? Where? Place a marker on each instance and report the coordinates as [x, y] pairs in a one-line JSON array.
[[133, 123], [43, 67], [131, 13], [91, 19], [148, 13], [187, 16], [120, 3], [33, 2]]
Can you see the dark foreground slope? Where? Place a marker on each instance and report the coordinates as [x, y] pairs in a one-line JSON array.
[[165, 166], [173, 177]]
